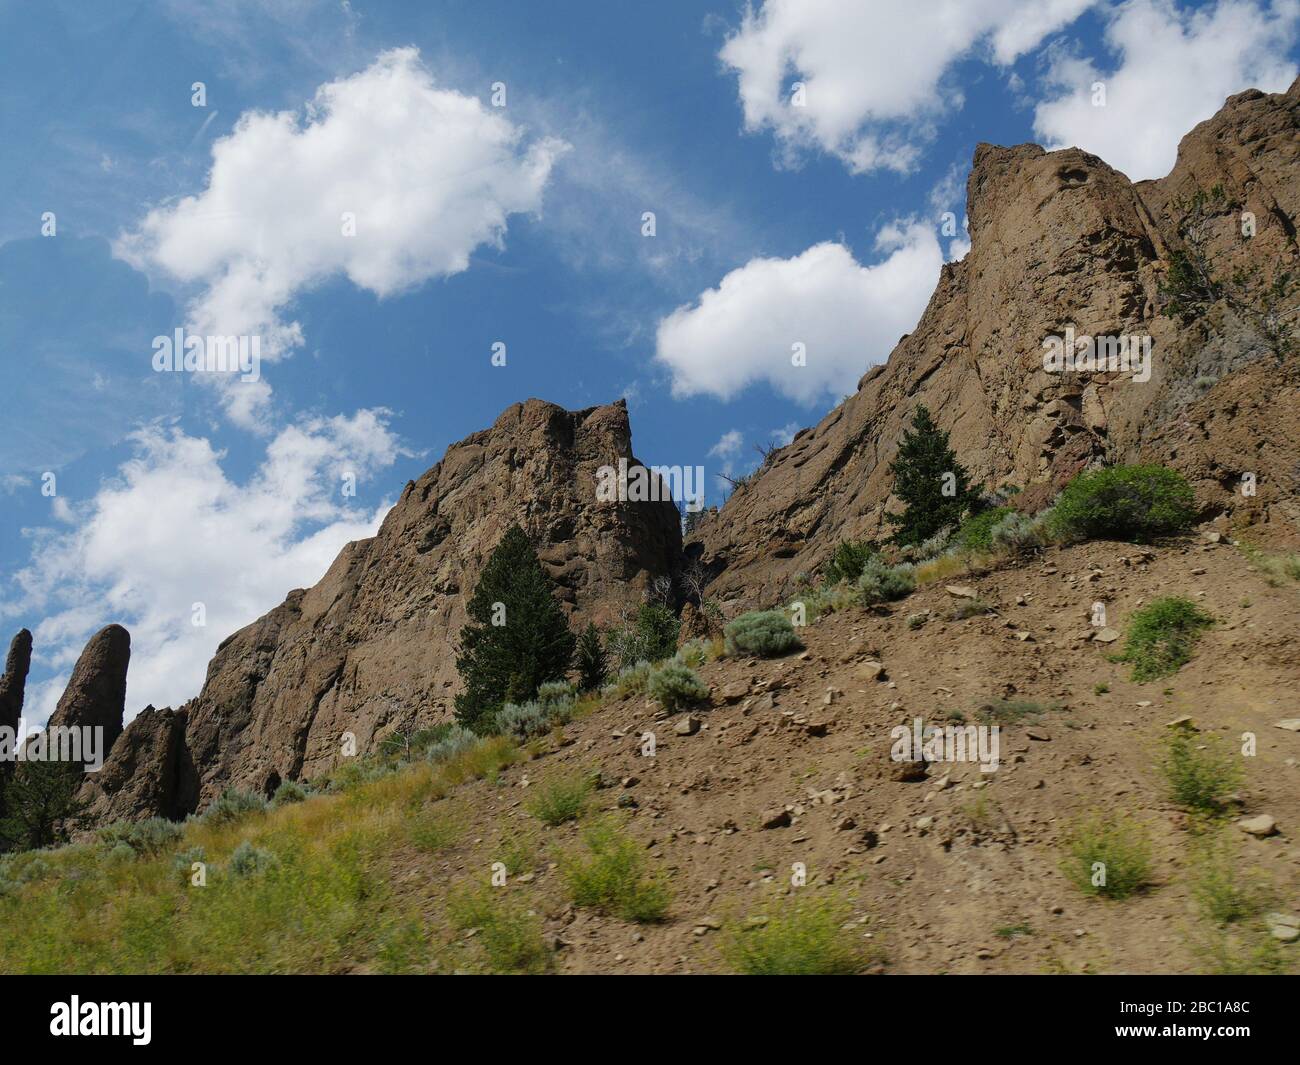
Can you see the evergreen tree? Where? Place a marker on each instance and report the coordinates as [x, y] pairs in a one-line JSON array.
[[934, 487], [517, 637], [40, 804], [592, 664]]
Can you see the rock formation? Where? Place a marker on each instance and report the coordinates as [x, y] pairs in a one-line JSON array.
[[141, 777], [371, 648], [1061, 239], [96, 693], [14, 681]]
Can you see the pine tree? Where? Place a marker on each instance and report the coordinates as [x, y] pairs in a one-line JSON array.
[[517, 637], [40, 804], [592, 664], [934, 487]]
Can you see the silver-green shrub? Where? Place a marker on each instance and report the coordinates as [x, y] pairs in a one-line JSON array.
[[673, 686], [232, 805], [880, 583], [247, 860], [761, 632], [143, 837], [458, 739]]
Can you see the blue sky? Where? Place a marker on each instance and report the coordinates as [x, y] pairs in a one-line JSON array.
[[133, 496]]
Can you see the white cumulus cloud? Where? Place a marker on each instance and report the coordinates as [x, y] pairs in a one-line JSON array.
[[846, 317], [1175, 68], [428, 175], [874, 74], [172, 530]]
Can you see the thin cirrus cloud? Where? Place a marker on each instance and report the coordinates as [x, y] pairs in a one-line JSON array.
[[428, 175], [874, 75], [845, 315], [171, 530], [1175, 68]]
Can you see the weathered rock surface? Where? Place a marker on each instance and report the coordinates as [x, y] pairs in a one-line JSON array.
[[141, 778], [13, 682], [1059, 238], [371, 648], [96, 694]]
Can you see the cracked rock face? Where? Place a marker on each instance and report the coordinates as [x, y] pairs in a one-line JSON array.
[[1058, 239], [371, 648], [141, 777]]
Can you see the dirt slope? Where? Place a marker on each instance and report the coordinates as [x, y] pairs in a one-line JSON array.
[[989, 856]]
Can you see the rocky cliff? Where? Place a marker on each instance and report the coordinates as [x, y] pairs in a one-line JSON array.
[[371, 648], [1061, 239]]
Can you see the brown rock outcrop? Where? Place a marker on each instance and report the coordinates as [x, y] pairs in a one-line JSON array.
[[1059, 239], [141, 778], [371, 648], [13, 682], [96, 693]]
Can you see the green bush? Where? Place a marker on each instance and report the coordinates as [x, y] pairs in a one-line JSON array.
[[529, 719], [407, 746], [509, 936], [289, 792], [809, 939], [929, 548], [976, 532], [232, 805], [457, 739], [1162, 636], [555, 693], [651, 638], [880, 583], [122, 852], [1134, 503], [693, 653], [1108, 856], [612, 878], [561, 800], [1015, 531], [1199, 780], [631, 680], [1223, 895], [761, 632], [674, 686], [826, 599], [143, 837], [847, 560], [247, 860]]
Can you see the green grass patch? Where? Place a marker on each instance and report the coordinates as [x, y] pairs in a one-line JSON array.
[[1199, 773], [1162, 636], [507, 936], [300, 888], [801, 937], [561, 800], [1108, 856], [610, 877]]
